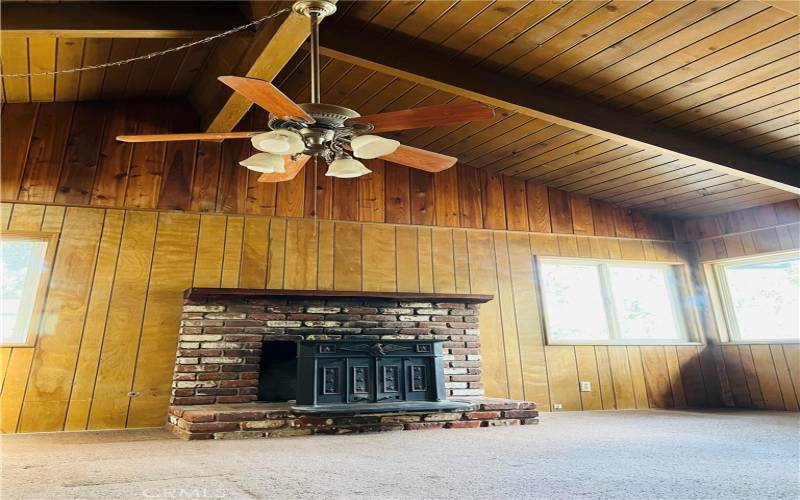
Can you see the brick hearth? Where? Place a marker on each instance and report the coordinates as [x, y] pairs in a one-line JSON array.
[[256, 420]]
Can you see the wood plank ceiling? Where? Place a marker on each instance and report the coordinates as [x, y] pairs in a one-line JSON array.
[[171, 75], [41, 36], [725, 71]]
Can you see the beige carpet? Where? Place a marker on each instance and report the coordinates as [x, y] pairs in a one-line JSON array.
[[629, 454]]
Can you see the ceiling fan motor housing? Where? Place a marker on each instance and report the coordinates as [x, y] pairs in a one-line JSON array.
[[329, 119], [326, 115]]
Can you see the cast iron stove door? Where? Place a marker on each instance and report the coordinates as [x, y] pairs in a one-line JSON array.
[[331, 383], [390, 379], [419, 380], [362, 380]]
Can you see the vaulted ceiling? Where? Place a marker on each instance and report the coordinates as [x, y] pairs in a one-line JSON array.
[[676, 107]]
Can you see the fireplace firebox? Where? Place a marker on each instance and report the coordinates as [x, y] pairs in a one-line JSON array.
[[371, 376], [277, 380]]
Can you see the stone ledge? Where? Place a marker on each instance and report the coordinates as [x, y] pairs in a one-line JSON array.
[[258, 420]]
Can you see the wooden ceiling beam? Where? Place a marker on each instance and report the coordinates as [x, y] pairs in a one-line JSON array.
[[790, 6], [119, 19], [273, 46], [422, 65]]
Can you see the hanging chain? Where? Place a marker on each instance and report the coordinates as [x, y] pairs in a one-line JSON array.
[[152, 54]]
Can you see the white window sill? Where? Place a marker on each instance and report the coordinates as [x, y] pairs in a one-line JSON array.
[[631, 343], [761, 342]]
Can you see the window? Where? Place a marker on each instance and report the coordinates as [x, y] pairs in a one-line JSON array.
[[25, 259], [589, 301], [760, 297]]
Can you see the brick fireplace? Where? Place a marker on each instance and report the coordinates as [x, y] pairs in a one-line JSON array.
[[236, 371]]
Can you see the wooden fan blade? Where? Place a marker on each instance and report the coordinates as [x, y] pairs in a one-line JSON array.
[[200, 136], [421, 159], [292, 169], [267, 96], [428, 116]]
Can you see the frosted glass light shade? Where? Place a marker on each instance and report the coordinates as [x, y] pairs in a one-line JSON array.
[[266, 163], [279, 142], [347, 168], [373, 146]]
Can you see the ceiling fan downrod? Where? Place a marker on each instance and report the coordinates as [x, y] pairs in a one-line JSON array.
[[315, 10]]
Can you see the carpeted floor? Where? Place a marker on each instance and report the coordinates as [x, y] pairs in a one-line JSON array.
[[627, 454]]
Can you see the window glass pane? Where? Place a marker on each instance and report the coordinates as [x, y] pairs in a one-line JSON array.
[[573, 302], [644, 303], [765, 298], [22, 262]]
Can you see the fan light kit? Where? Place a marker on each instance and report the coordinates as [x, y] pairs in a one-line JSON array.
[[373, 146], [346, 168], [279, 142], [336, 134], [266, 163]]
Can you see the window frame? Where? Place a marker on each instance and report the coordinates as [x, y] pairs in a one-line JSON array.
[[51, 240], [686, 319], [721, 303]]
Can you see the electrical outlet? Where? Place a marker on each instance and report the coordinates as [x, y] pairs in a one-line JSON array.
[[556, 406], [586, 386]]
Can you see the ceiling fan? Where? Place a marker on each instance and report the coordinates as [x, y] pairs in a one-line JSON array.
[[337, 134]]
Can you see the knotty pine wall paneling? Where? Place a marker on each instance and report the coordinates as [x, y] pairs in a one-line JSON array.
[[755, 375], [113, 307]]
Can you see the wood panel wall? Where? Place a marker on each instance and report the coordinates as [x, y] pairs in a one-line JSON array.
[[755, 375], [113, 307], [65, 153]]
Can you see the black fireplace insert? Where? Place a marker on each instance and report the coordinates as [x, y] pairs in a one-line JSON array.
[[357, 376]]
